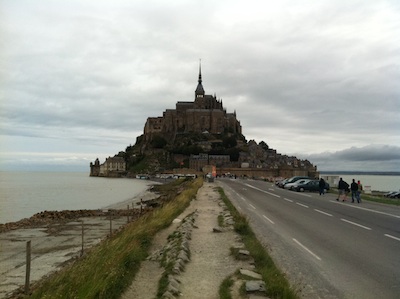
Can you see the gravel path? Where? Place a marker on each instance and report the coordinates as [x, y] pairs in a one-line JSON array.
[[210, 260]]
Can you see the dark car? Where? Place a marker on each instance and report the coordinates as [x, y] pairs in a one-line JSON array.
[[395, 195], [312, 185]]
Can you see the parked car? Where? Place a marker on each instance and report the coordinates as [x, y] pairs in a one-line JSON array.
[[281, 183], [292, 186], [390, 194], [395, 195], [294, 179], [312, 185]]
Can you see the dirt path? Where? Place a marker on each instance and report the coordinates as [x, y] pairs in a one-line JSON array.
[[210, 260]]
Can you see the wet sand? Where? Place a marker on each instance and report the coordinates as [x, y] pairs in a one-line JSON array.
[[55, 243]]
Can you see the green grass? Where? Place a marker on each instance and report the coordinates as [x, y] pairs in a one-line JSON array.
[[276, 283], [224, 289], [380, 199], [109, 268]]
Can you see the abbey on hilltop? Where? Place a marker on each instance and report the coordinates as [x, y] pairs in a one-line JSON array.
[[205, 114], [194, 138]]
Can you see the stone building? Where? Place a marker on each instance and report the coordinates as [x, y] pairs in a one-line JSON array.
[[95, 168], [197, 162], [205, 114], [112, 167]]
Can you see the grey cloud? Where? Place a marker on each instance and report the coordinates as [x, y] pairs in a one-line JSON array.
[[372, 157], [303, 78], [370, 153]]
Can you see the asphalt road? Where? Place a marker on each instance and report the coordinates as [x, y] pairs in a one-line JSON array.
[[328, 249]]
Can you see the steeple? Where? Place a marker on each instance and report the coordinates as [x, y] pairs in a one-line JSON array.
[[200, 72], [199, 92]]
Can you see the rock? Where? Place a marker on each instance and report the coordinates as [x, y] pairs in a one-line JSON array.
[[244, 252], [173, 282], [183, 256], [217, 229], [180, 264], [176, 270], [172, 290], [168, 295], [251, 274], [230, 222], [185, 246], [255, 286]]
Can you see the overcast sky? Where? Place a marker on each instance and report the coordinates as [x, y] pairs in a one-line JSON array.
[[315, 79]]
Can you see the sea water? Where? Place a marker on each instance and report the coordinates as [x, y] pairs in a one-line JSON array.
[[23, 194], [384, 183]]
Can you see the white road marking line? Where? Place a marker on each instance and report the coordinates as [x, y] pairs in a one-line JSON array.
[[238, 195], [262, 190], [306, 195], [365, 209], [393, 237], [300, 204], [252, 206], [268, 219], [356, 224], [271, 189], [287, 199], [308, 250], [322, 212]]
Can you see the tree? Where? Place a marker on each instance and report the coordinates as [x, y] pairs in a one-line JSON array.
[[158, 142], [228, 142]]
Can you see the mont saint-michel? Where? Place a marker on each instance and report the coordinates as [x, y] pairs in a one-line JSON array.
[[196, 137]]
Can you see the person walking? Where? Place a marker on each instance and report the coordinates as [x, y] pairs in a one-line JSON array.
[[343, 188], [354, 190], [321, 186], [359, 190]]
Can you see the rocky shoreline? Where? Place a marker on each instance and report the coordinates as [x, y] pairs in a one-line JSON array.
[[50, 217], [146, 202]]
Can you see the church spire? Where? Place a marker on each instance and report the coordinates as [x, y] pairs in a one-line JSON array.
[[200, 81], [199, 92]]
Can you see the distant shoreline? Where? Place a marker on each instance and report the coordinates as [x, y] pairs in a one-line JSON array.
[[389, 173], [47, 217]]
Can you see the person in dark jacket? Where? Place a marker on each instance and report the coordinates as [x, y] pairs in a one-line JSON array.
[[322, 186], [354, 190], [343, 188]]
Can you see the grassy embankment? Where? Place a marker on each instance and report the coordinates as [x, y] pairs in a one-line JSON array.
[[276, 283], [109, 268], [380, 199]]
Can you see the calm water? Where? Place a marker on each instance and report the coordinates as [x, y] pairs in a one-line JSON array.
[[377, 182], [23, 194]]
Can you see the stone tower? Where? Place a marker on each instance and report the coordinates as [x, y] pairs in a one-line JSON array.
[[205, 114]]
